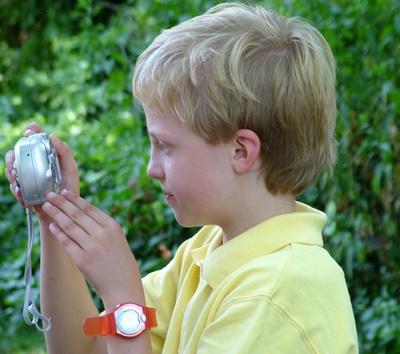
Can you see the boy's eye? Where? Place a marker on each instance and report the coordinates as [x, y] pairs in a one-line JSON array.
[[160, 145]]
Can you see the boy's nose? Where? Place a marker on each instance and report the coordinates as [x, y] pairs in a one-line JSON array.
[[154, 170]]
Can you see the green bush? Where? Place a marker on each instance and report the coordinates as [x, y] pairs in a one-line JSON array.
[[68, 65]]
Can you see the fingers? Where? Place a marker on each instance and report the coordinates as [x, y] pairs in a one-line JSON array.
[[32, 128], [64, 153], [61, 147], [93, 240], [86, 209], [11, 176], [10, 173], [68, 165], [75, 218]]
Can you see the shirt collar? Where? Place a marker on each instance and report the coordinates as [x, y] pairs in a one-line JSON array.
[[217, 261]]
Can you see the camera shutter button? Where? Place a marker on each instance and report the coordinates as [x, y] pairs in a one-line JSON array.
[[49, 174]]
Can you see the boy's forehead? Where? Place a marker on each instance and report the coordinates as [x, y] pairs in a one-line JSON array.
[[155, 112], [161, 122]]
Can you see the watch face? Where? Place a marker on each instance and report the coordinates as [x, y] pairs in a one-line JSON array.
[[130, 320]]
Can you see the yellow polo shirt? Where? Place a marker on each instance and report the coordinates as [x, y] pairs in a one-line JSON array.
[[272, 289]]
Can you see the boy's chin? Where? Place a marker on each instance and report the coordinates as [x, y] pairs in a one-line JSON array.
[[186, 221]]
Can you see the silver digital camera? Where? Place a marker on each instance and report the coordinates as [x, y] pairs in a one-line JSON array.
[[37, 168]]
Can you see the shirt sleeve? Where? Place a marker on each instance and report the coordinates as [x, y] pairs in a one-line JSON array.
[[161, 290]]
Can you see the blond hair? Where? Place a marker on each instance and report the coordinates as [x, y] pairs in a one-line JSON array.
[[246, 67]]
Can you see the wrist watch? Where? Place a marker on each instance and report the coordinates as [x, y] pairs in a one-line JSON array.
[[127, 320]]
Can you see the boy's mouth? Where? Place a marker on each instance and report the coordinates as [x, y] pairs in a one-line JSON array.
[[169, 198]]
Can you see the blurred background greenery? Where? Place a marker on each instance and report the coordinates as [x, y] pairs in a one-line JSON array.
[[68, 65]]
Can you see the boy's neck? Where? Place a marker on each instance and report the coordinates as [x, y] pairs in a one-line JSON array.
[[255, 210]]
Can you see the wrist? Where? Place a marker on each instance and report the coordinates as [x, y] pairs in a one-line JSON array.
[[127, 320], [128, 288], [43, 218], [111, 301]]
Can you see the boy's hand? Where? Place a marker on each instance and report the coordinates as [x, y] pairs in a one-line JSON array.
[[94, 241], [69, 168]]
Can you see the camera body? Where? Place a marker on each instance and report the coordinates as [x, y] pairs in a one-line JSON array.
[[37, 168]]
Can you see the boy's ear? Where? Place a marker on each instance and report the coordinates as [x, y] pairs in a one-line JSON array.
[[247, 148]]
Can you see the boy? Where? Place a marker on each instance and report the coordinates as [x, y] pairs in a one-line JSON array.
[[240, 110]]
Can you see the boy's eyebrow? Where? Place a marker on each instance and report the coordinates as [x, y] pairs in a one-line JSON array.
[[156, 135]]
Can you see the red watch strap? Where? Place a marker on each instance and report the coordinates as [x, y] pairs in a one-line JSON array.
[[100, 326], [151, 321], [105, 325]]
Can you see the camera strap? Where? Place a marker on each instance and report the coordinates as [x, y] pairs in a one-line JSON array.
[[29, 303]]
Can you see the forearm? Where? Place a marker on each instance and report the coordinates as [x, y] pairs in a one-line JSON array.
[[65, 298], [100, 250], [132, 292]]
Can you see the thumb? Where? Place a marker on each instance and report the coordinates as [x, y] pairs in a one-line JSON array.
[[68, 165], [61, 147]]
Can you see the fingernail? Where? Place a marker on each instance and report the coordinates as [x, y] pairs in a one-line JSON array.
[[64, 192], [27, 132], [54, 137], [53, 226], [50, 195]]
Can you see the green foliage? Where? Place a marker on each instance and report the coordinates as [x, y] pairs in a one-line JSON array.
[[68, 65]]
